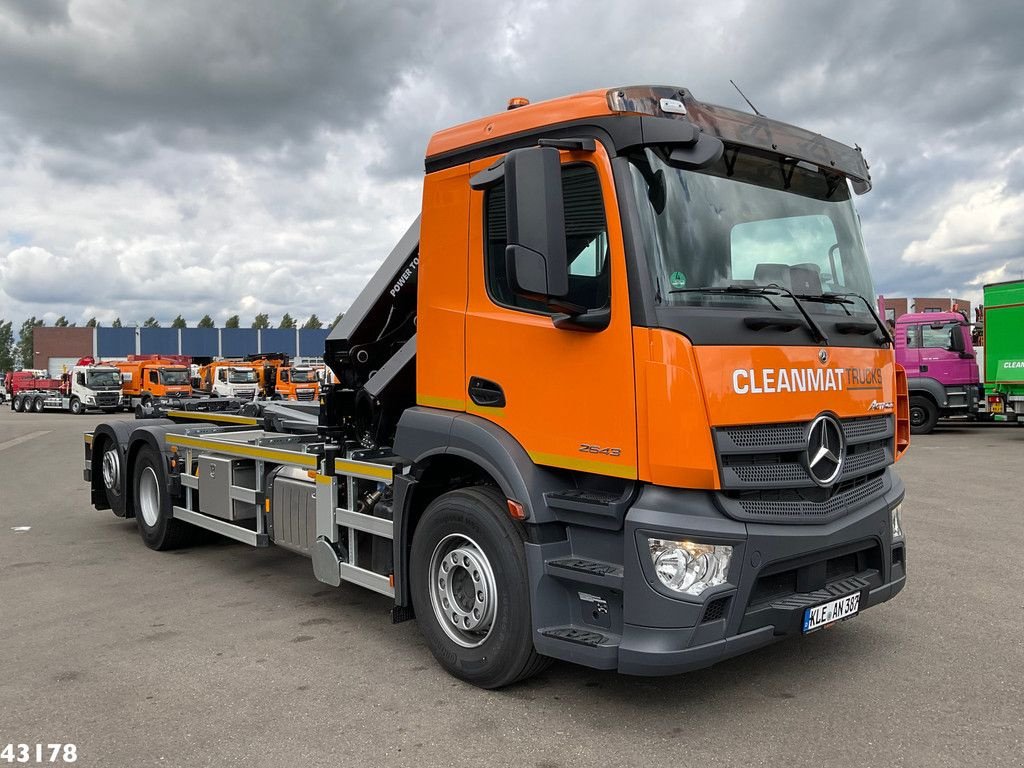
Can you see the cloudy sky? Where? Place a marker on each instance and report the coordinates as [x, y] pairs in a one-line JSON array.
[[263, 156]]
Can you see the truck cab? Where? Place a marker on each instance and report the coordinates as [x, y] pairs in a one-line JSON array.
[[297, 383], [936, 350], [95, 386], [230, 379]]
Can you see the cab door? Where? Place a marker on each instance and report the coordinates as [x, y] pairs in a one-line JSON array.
[[567, 396]]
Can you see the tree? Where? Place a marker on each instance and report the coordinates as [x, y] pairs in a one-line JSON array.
[[25, 349], [205, 322], [313, 323], [337, 319], [116, 323], [61, 322], [6, 346], [178, 322], [262, 320], [151, 322], [287, 321], [92, 322], [232, 322]]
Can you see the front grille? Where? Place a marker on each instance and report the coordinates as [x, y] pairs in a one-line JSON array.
[[794, 508], [304, 394], [106, 398], [764, 476]]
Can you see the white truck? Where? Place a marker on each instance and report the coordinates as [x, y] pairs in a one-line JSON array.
[[85, 387]]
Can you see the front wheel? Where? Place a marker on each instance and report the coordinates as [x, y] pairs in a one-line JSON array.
[[76, 406], [924, 414], [470, 589], [159, 530]]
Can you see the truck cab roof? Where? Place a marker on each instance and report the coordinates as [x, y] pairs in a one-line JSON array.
[[914, 318]]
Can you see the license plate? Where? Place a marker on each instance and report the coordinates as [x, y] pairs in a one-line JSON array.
[[827, 613]]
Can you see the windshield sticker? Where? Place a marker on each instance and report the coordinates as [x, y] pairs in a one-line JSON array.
[[677, 279]]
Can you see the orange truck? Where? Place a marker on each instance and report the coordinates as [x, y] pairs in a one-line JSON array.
[[152, 379], [618, 397], [280, 380]]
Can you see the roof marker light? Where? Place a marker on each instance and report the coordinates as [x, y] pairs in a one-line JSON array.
[[517, 101]]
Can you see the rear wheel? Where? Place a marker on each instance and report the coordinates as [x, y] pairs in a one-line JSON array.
[[37, 405], [923, 415], [470, 589], [113, 480], [18, 404], [158, 528], [76, 406]]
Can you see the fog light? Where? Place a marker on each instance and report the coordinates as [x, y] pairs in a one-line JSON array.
[[897, 526], [689, 567]]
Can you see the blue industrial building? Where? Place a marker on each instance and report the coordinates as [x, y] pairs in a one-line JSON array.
[[207, 342]]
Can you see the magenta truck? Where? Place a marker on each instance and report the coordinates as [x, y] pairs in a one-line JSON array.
[[942, 372]]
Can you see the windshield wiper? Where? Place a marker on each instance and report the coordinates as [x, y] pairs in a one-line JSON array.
[[774, 289], [845, 298], [743, 290]]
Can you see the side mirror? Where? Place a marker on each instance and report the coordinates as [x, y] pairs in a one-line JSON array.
[[956, 340], [535, 219]]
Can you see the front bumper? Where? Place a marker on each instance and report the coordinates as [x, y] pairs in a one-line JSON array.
[[777, 571], [590, 610]]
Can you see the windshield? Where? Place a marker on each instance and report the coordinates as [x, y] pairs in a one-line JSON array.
[[242, 375], [98, 379], [174, 377], [301, 377], [749, 220]]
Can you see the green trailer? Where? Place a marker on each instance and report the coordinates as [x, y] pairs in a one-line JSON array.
[[1004, 350]]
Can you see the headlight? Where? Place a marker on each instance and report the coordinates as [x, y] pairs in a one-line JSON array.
[[897, 524], [689, 567]]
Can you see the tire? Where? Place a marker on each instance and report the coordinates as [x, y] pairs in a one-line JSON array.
[[76, 406], [924, 414], [466, 539], [18, 404], [112, 476], [37, 405], [158, 529]]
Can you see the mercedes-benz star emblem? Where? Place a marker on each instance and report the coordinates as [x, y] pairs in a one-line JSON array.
[[822, 356], [826, 450]]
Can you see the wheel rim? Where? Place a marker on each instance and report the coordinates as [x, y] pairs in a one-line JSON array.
[[111, 469], [149, 497], [462, 588], [917, 416]]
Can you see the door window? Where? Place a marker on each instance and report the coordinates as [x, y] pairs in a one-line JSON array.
[[586, 240], [939, 338]]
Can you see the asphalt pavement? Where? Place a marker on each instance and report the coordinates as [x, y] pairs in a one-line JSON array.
[[223, 655]]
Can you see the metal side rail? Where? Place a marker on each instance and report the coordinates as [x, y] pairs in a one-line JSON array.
[[223, 527]]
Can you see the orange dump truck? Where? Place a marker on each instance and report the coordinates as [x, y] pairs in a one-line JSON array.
[[280, 380], [618, 397], [151, 379]]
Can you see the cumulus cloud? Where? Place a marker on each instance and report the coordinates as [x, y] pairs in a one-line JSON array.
[[258, 156]]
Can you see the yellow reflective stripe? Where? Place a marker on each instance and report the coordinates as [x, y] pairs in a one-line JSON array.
[[224, 418], [88, 438], [324, 479], [484, 410], [451, 403], [247, 451], [376, 471], [583, 465]]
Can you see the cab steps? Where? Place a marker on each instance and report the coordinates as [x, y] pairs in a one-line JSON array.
[[584, 571]]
